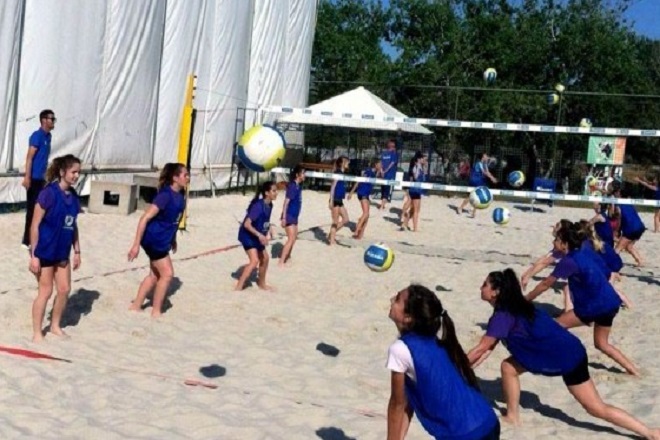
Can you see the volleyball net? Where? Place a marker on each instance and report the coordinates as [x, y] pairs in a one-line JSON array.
[[554, 158]]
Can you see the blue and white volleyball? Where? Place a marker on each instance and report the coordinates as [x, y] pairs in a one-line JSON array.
[[553, 98], [585, 123], [481, 197], [490, 75], [501, 216], [378, 257], [516, 179], [261, 148]]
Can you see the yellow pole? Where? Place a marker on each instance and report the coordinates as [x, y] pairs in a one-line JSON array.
[[185, 137]]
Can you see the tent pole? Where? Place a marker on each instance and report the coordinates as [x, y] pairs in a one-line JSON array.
[[160, 74], [14, 110]]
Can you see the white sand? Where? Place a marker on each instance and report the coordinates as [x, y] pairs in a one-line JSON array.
[[273, 382]]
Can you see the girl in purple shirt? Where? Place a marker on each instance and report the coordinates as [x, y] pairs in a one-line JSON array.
[[538, 344], [291, 211], [53, 232], [156, 233]]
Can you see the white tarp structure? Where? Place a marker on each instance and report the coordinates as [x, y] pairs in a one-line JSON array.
[[114, 72], [366, 111]]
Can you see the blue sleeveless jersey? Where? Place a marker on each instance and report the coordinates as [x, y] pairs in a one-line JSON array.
[[544, 347], [420, 177], [294, 194], [477, 177], [364, 188], [446, 406], [340, 189], [161, 230], [592, 293], [58, 225], [259, 213], [631, 222]]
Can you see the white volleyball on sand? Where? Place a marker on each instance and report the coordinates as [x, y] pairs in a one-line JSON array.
[[378, 257], [501, 216], [261, 148], [481, 197], [585, 123], [490, 75], [516, 179]]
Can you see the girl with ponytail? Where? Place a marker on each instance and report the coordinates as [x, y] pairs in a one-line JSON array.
[[431, 375], [540, 345], [156, 234], [291, 211], [255, 233], [53, 232]]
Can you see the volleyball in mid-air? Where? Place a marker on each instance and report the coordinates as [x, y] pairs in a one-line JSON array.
[[481, 197], [553, 98], [501, 216], [490, 75], [585, 123], [378, 257], [559, 87], [592, 182], [516, 179], [261, 148]]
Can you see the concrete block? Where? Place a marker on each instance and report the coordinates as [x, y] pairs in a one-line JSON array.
[[112, 197], [147, 188]]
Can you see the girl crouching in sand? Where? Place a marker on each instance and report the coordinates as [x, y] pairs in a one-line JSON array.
[[431, 376], [538, 344], [255, 234]]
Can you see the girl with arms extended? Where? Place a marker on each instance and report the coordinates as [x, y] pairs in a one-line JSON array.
[[594, 299], [53, 232], [255, 234], [538, 344], [156, 233], [291, 211], [431, 376]]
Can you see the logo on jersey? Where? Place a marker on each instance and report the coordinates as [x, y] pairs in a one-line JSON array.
[[69, 220]]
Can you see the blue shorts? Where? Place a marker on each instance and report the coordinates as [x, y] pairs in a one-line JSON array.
[[291, 221]]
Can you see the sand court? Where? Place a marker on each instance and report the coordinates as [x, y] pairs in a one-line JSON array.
[[127, 373]]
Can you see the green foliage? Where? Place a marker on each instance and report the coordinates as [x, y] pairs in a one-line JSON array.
[[426, 57]]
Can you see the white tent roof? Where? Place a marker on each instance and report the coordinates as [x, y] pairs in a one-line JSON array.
[[367, 109]]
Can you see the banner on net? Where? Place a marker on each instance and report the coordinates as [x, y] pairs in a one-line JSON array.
[[466, 189], [468, 124]]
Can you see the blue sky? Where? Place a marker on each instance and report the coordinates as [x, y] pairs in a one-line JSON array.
[[644, 13]]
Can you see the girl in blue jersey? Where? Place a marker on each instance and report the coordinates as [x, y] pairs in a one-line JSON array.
[[416, 174], [653, 186], [156, 234], [602, 224], [291, 211], [431, 375], [538, 344], [255, 233], [363, 192], [632, 229], [336, 201], [594, 299], [53, 232], [479, 176]]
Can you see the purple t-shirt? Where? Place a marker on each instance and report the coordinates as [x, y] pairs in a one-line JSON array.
[[565, 268], [161, 200], [503, 324], [46, 199]]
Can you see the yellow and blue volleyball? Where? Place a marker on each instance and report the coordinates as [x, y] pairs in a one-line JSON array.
[[516, 179], [490, 75], [501, 216], [261, 148], [481, 197], [552, 98], [378, 257]]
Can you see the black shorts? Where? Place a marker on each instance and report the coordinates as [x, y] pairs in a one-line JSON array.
[[155, 255], [414, 196], [635, 235], [337, 203], [578, 375], [52, 263], [604, 320], [363, 197], [386, 192]]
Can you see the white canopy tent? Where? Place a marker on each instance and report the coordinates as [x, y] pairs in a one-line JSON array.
[[358, 102]]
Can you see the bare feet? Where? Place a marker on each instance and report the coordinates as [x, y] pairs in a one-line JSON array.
[[59, 332], [156, 314], [38, 337], [267, 287], [134, 307], [510, 420], [654, 434]]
